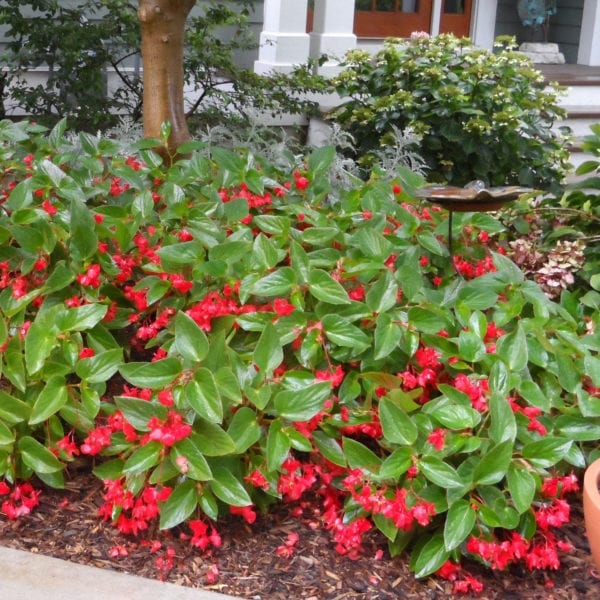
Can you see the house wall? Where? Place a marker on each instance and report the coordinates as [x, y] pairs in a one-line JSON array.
[[564, 27]]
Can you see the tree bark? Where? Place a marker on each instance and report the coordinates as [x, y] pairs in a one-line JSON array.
[[162, 24]]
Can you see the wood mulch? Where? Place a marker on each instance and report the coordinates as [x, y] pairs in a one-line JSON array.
[[65, 525]]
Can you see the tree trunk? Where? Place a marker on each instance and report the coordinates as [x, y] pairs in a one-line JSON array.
[[162, 24]]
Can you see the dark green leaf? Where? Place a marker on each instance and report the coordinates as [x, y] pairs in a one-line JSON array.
[[522, 486], [153, 375], [439, 472], [228, 488], [268, 353], [459, 523], [493, 466], [244, 429], [326, 289], [360, 457], [398, 427], [37, 457], [190, 341], [278, 445], [143, 459], [430, 557], [303, 404], [179, 505], [51, 399]]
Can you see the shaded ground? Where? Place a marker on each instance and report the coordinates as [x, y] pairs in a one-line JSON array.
[[65, 525]]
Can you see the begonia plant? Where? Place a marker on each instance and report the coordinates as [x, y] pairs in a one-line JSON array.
[[220, 335]]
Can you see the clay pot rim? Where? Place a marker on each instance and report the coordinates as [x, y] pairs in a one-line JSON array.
[[591, 480]]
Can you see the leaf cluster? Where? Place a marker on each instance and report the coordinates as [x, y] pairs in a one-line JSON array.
[[299, 334], [479, 114]]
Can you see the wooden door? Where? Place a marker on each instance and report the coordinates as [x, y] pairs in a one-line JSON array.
[[456, 17], [391, 18]]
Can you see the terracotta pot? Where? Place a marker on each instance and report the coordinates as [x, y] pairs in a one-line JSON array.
[[591, 508]]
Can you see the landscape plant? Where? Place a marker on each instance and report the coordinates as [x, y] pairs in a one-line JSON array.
[[90, 51], [221, 335], [555, 239], [479, 114]]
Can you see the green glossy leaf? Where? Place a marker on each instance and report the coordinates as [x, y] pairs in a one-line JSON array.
[[388, 335], [427, 319], [202, 395], [40, 340], [190, 341], [360, 457], [51, 399], [326, 289], [343, 333], [459, 523], [198, 467], [512, 348], [532, 392], [83, 241], [7, 436], [227, 488], [578, 429], [179, 505], [493, 466], [278, 445], [329, 448], [153, 375], [143, 459], [244, 429], [522, 486], [383, 294], [138, 412], [592, 368], [398, 427], [303, 404], [546, 452], [439, 472], [13, 410], [111, 469], [268, 353], [503, 426], [212, 440], [81, 318], [430, 557], [37, 457], [228, 385], [100, 367], [278, 283], [396, 464]]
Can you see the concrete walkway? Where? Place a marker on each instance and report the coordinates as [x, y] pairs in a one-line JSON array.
[[30, 576]]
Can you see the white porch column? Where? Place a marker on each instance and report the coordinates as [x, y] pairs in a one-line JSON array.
[[283, 41], [589, 41], [436, 17], [483, 23], [333, 33]]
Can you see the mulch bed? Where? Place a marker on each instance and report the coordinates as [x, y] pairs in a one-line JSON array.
[[65, 525]]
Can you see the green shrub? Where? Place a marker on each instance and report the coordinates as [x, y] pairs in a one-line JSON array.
[[480, 115], [220, 337], [79, 44], [556, 240]]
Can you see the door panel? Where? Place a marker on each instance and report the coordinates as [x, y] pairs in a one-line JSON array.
[[391, 18], [456, 17]]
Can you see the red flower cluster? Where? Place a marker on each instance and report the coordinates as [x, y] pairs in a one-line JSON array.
[[21, 500], [203, 537], [167, 432], [134, 514]]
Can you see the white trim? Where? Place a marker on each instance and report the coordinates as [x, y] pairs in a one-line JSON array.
[[589, 39], [436, 18], [483, 23]]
